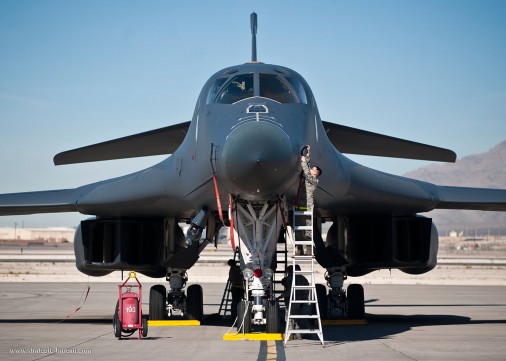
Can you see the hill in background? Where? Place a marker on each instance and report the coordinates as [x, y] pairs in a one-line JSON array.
[[486, 170]]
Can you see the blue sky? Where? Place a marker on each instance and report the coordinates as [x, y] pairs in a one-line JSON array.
[[73, 73]]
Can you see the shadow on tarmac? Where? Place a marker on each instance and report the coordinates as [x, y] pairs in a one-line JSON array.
[[377, 327], [385, 326]]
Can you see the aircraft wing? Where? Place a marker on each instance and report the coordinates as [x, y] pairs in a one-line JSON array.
[[155, 142], [357, 141], [37, 202], [472, 198]]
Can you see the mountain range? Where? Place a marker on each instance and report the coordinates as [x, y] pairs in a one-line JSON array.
[[485, 170]]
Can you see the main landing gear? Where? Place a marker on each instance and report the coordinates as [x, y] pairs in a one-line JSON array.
[[339, 303], [175, 303]]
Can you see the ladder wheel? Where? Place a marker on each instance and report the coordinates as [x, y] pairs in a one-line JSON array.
[[272, 315], [157, 296], [321, 293], [355, 299], [144, 327], [244, 317], [117, 328]]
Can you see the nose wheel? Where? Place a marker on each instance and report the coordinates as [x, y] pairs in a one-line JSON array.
[[244, 317]]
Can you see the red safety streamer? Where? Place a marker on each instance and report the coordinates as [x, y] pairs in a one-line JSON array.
[[78, 302], [231, 217], [218, 199]]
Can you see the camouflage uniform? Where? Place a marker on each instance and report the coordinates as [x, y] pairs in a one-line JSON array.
[[306, 197]]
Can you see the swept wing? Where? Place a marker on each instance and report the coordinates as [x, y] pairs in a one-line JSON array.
[[155, 142], [357, 141]]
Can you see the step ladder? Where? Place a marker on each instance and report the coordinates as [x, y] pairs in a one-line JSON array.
[[226, 299], [303, 306]]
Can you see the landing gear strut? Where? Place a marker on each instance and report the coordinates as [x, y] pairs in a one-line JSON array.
[[258, 226]]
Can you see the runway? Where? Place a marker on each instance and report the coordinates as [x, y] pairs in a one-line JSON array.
[[405, 322]]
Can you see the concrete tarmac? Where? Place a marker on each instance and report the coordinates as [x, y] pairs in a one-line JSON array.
[[405, 322]]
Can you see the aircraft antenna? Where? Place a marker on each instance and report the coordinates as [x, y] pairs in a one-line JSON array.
[[253, 20]]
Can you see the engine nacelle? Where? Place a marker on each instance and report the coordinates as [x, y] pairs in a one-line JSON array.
[[409, 244], [432, 261], [146, 245]]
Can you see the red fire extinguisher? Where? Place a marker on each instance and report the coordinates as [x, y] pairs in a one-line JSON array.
[[128, 316]]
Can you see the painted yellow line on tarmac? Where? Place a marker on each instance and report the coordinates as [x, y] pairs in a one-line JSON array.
[[233, 336], [173, 323], [272, 353]]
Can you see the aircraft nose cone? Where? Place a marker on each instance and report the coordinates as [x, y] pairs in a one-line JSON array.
[[256, 160]]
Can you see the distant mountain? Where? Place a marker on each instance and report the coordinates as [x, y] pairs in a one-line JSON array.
[[486, 170]]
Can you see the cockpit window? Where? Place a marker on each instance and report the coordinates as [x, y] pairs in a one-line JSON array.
[[273, 87], [298, 87], [213, 91], [239, 88]]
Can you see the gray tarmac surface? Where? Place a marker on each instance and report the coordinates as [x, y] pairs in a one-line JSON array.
[[405, 322]]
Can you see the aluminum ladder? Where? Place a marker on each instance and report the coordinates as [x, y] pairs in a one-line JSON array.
[[303, 305]]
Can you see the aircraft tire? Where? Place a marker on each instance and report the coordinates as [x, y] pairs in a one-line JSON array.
[[157, 296], [195, 302], [355, 299], [244, 313], [272, 315]]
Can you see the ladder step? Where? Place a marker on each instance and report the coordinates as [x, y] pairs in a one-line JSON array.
[[303, 258], [303, 330], [303, 243], [296, 287], [303, 228], [303, 272], [304, 301], [302, 213], [303, 316]]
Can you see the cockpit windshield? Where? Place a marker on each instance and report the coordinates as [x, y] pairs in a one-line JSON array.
[[298, 87], [239, 88], [273, 87], [281, 88]]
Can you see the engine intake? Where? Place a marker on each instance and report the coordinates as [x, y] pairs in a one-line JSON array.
[[148, 246]]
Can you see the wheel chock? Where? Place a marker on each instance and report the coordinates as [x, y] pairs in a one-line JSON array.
[[234, 336], [166, 323]]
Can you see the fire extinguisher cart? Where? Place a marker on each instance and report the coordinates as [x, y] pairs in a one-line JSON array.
[[128, 316]]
